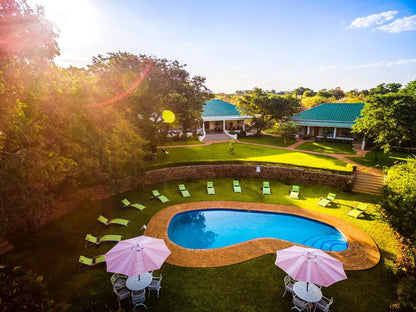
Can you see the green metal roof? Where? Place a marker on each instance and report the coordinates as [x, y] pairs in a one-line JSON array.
[[217, 107], [330, 115]]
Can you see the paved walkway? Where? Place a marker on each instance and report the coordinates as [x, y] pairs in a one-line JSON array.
[[292, 147]]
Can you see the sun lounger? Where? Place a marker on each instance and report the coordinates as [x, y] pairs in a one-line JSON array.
[[96, 240], [162, 198], [294, 193], [356, 212], [118, 221], [126, 203], [184, 191], [266, 188], [90, 262], [236, 186], [210, 188], [326, 201]]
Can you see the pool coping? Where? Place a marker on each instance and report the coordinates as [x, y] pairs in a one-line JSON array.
[[362, 253]]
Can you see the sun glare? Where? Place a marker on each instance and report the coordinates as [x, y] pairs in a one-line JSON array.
[[76, 20]]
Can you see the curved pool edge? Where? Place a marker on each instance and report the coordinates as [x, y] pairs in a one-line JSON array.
[[362, 253]]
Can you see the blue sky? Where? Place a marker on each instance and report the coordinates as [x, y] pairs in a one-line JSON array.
[[239, 45]]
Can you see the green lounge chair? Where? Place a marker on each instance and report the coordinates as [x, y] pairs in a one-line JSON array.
[[236, 186], [90, 262], [126, 203], [326, 201], [118, 221], [356, 212], [184, 191], [294, 193], [210, 188], [266, 188], [162, 198], [96, 240]]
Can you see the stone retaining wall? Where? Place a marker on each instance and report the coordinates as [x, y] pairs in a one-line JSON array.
[[291, 175]]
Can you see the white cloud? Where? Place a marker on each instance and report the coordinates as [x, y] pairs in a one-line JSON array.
[[367, 21], [386, 64], [399, 25], [322, 68]]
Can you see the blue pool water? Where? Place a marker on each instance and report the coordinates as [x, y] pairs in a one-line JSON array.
[[216, 228]]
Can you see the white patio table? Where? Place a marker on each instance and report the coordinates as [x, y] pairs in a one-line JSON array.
[[139, 282], [313, 294]]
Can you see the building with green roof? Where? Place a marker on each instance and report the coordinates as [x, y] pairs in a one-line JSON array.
[[333, 119], [221, 116]]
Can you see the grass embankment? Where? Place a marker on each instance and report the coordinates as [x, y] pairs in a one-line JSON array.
[[255, 285], [219, 152], [268, 140], [182, 142], [328, 148], [388, 159]]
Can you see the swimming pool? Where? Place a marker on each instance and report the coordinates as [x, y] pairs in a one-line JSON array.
[[217, 228]]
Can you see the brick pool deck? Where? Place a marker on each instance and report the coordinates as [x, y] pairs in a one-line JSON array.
[[362, 253]]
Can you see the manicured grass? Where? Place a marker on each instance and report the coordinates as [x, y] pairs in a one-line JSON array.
[[268, 140], [181, 142], [387, 160], [246, 153], [328, 148], [255, 285]]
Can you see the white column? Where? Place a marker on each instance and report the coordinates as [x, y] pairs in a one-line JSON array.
[[335, 132], [363, 143], [223, 125], [244, 125], [203, 126], [309, 129]]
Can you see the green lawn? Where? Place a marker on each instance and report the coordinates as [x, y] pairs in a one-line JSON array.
[[328, 148], [219, 152], [268, 140], [387, 160], [255, 285], [181, 142]]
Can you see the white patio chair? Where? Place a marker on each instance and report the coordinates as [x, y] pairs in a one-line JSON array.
[[118, 281], [288, 284], [121, 294], [323, 304], [155, 285], [137, 298], [299, 304]]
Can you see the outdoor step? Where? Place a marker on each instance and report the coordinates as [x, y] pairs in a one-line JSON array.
[[5, 246], [367, 183]]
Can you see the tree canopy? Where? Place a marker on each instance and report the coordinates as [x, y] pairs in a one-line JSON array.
[[265, 107], [77, 127], [388, 118]]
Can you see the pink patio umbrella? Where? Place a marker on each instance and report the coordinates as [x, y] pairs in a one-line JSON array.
[[135, 256], [310, 265]]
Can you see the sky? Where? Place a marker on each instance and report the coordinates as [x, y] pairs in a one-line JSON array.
[[240, 45]]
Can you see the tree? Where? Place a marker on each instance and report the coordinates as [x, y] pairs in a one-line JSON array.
[[167, 86], [398, 204], [324, 93], [385, 88], [337, 93], [285, 129], [388, 119], [265, 107]]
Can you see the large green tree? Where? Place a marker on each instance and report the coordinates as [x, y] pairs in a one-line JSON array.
[[388, 120], [264, 107], [166, 86]]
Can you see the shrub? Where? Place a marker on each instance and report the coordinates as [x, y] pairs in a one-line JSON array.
[[24, 290]]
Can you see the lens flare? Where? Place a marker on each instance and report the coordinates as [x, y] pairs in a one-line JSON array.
[[168, 116], [129, 90]]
